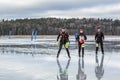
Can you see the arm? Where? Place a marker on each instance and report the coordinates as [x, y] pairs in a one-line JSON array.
[[68, 38], [58, 37], [95, 36], [78, 36], [103, 36], [85, 37]]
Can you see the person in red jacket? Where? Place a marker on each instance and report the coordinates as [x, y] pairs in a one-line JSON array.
[[81, 39]]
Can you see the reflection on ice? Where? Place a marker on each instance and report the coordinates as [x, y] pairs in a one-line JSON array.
[[21, 59], [63, 73], [99, 70], [81, 71]]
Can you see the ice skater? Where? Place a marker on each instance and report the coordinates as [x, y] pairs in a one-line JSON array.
[[63, 74], [99, 37], [64, 40], [81, 40]]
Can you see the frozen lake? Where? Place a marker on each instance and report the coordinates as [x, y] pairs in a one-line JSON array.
[[23, 59]]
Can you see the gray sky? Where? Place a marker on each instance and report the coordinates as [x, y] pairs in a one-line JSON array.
[[12, 9]]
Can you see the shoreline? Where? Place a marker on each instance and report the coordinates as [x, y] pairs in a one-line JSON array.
[[39, 36]]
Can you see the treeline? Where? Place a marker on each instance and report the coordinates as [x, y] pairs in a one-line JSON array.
[[51, 26]]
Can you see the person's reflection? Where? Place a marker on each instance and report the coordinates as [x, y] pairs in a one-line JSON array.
[[3, 50], [99, 70], [81, 72], [63, 74], [9, 48], [34, 49], [33, 45]]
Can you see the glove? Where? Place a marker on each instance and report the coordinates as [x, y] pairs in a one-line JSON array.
[[57, 43], [83, 45], [97, 45], [67, 44], [102, 39]]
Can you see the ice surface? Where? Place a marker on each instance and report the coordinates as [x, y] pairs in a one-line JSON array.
[[23, 59]]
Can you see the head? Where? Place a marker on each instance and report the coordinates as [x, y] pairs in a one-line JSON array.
[[98, 29], [63, 30], [81, 31]]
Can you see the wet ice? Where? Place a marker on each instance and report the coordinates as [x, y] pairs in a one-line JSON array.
[[23, 59]]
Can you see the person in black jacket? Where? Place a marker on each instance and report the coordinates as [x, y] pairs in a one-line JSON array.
[[64, 40], [81, 39], [99, 37]]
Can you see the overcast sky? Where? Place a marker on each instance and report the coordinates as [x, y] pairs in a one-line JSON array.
[[14, 9]]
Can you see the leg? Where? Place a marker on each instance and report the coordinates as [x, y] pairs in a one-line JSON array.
[[79, 50], [82, 51], [101, 44], [68, 53], [97, 47], [60, 47]]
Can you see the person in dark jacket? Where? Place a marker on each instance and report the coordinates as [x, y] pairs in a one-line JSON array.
[[81, 39], [64, 40], [99, 37]]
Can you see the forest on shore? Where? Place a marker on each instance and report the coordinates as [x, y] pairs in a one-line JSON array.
[[51, 26]]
